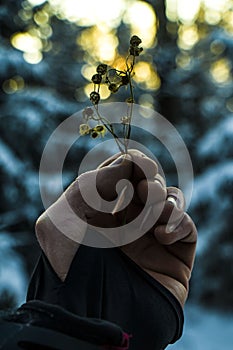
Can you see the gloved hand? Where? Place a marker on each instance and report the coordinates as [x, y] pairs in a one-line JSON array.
[[165, 252]]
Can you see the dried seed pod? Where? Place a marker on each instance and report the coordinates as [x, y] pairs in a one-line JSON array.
[[129, 100], [135, 51], [94, 134], [124, 80], [88, 112], [125, 120], [96, 78], [99, 128], [84, 129], [113, 87], [102, 69], [135, 40], [94, 97]]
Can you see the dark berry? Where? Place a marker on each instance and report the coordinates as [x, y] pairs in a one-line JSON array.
[[99, 128], [101, 69], [113, 87], [97, 78], [124, 80], [94, 97], [135, 40], [135, 51], [94, 134]]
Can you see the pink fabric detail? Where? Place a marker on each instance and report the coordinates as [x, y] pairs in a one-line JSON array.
[[124, 345]]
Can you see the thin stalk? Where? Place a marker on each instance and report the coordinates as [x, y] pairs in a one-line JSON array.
[[129, 70], [106, 123]]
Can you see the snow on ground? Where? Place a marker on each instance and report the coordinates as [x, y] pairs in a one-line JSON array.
[[205, 330]]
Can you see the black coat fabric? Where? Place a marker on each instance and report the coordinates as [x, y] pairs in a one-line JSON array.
[[106, 284]]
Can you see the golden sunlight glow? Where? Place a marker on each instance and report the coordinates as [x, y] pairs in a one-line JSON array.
[[220, 71], [142, 72], [88, 89], [36, 2], [88, 71], [216, 10], [9, 86], [30, 45], [33, 57], [212, 16], [228, 21], [183, 60], [45, 31], [146, 100], [90, 12], [147, 75], [187, 11], [41, 18], [99, 43], [188, 36], [26, 14], [217, 47], [119, 63], [142, 20], [15, 84], [104, 92], [217, 5], [171, 10], [26, 42]]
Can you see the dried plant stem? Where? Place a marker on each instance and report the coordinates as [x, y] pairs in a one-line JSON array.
[[106, 123], [115, 79]]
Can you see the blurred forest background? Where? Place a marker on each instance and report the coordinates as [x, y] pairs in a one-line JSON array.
[[48, 52]]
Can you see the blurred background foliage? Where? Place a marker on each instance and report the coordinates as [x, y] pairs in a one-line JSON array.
[[48, 52]]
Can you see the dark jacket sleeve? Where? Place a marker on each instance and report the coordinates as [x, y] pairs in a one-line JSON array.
[[108, 285]]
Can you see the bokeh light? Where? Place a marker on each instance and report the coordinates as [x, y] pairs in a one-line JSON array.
[[41, 18], [104, 91], [228, 21], [142, 20], [12, 85], [188, 36], [184, 72], [217, 5], [36, 2], [217, 47], [26, 42], [90, 12], [99, 43], [31, 46], [183, 60], [187, 11], [146, 75], [221, 70], [146, 100], [98, 39]]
